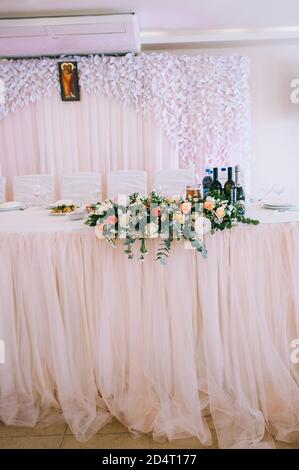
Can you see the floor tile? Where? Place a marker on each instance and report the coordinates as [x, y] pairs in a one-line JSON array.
[[31, 442], [115, 427], [190, 443], [107, 441], [286, 445], [14, 431]]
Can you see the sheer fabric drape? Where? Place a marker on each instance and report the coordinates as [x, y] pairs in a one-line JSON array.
[[95, 134], [157, 347]]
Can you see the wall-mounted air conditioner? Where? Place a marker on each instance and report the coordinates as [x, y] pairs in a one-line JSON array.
[[69, 35]]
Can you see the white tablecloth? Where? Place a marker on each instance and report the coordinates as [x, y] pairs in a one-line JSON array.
[[90, 334]]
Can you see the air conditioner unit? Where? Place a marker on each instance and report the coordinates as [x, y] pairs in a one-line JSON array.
[[27, 37]]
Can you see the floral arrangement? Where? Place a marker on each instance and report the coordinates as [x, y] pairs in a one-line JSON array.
[[170, 219]]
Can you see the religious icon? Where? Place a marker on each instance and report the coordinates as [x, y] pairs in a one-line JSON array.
[[69, 81]]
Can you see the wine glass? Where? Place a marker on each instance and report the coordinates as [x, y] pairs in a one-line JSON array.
[[95, 193], [43, 195], [37, 191], [277, 189], [157, 189], [264, 192]]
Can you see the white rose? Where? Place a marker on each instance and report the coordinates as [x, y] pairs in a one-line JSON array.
[[151, 230], [65, 202], [124, 220], [202, 226]]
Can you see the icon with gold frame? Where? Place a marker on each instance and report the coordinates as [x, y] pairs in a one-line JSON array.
[[69, 81]]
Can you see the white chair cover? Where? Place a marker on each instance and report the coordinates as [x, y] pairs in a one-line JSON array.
[[2, 189], [82, 188], [24, 188], [173, 182], [121, 183]]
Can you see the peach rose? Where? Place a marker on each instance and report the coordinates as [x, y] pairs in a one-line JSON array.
[[209, 204], [111, 220], [156, 211], [99, 230], [186, 207], [220, 212]]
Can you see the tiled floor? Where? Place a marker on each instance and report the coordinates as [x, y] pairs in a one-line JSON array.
[[112, 436]]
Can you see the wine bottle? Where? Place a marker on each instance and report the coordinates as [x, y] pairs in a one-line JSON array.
[[229, 187], [206, 182], [223, 175], [240, 193], [216, 187]]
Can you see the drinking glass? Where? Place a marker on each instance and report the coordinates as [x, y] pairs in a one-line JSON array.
[[95, 193], [43, 195], [37, 192], [157, 189], [277, 189]]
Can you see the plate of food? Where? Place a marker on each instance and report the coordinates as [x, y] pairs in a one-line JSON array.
[[63, 209]]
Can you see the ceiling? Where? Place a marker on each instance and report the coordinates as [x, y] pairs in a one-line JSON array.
[[178, 20]]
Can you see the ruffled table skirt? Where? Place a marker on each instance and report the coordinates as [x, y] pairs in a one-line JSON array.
[[90, 334]]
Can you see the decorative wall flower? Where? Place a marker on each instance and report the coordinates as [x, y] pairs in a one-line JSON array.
[[201, 102]]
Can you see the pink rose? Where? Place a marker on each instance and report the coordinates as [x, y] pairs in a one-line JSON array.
[[111, 220], [99, 230], [156, 211], [186, 207]]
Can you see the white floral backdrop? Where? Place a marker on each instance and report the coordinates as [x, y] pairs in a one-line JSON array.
[[201, 102]]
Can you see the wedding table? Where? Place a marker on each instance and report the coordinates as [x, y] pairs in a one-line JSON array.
[[89, 334]]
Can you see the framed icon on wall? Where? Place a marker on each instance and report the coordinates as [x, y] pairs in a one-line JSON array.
[[69, 81]]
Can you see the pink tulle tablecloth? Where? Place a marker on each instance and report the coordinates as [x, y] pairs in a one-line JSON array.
[[89, 334]]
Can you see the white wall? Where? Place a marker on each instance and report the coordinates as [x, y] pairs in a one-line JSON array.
[[275, 120]]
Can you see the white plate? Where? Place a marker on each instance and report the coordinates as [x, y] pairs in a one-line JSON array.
[[56, 214], [275, 202], [78, 216], [10, 206], [266, 206]]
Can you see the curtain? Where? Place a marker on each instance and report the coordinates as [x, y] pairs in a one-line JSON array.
[[96, 134]]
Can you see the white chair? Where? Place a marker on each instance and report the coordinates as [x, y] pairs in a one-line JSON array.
[[34, 189], [124, 183], [173, 182], [2, 189], [82, 188]]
